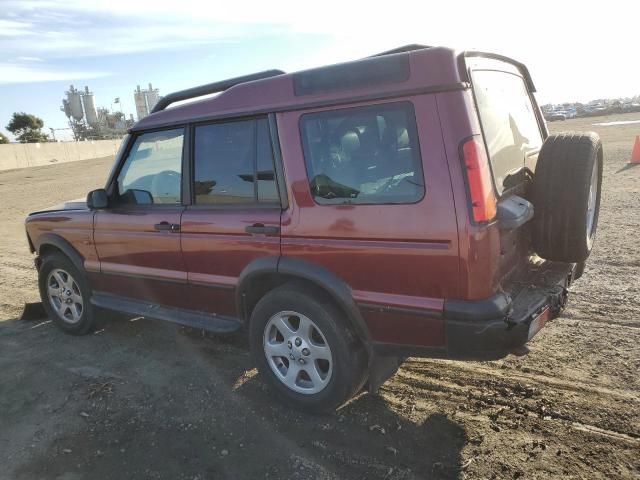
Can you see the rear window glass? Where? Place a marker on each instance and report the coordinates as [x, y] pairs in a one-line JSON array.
[[509, 123], [363, 155], [233, 163]]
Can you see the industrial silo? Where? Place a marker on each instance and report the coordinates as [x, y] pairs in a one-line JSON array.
[[65, 107], [152, 97], [75, 103], [141, 103], [89, 103]]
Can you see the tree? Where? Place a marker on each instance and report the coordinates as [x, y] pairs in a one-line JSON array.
[[27, 128], [3, 138]]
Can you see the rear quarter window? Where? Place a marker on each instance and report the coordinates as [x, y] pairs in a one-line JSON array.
[[363, 155], [509, 123]]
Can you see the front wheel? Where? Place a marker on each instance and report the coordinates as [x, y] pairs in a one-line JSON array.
[[66, 295], [305, 349]]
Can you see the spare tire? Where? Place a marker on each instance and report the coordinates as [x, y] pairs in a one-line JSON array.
[[566, 196]]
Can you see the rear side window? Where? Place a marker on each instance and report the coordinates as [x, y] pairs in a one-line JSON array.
[[509, 123], [363, 155], [233, 163]]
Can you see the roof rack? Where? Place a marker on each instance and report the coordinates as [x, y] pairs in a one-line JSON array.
[[210, 88], [405, 48]]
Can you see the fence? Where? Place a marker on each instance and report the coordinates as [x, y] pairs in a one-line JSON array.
[[22, 155]]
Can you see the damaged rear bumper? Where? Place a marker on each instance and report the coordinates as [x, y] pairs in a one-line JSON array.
[[492, 328]]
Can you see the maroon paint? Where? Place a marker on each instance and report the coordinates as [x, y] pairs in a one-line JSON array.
[[138, 261], [397, 259], [76, 226], [479, 254], [432, 67], [409, 250], [216, 248]]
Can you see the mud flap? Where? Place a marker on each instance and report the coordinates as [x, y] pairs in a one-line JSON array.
[[380, 370], [33, 311]]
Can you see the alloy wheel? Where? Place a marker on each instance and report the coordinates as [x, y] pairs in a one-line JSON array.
[[297, 352], [65, 296]]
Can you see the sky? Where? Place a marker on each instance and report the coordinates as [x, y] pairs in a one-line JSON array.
[[575, 52]]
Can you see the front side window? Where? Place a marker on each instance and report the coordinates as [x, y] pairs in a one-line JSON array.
[[233, 163], [152, 171], [509, 123], [363, 155]]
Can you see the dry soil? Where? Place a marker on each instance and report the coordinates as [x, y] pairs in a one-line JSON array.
[[144, 399]]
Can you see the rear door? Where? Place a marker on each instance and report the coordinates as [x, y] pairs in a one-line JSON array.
[[374, 205], [513, 137], [234, 217], [137, 238]]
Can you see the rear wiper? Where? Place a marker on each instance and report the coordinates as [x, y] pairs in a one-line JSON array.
[[516, 178]]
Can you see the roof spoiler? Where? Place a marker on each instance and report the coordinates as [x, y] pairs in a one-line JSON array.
[[405, 48], [494, 56], [210, 88]]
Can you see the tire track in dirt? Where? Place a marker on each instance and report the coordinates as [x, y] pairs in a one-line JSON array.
[[504, 408], [486, 391], [613, 323], [423, 367]]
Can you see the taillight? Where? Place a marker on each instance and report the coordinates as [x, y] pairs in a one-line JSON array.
[[481, 194]]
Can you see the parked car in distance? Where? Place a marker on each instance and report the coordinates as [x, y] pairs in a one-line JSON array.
[[346, 217], [555, 116]]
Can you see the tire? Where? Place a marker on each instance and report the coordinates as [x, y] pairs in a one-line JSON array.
[[76, 317], [566, 196], [344, 373]]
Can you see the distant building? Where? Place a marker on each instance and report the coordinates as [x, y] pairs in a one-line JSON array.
[[88, 122], [145, 100]]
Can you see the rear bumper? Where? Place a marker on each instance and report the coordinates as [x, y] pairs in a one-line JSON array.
[[494, 327]]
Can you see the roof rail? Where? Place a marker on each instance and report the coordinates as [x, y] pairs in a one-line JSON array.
[[405, 48], [210, 88]]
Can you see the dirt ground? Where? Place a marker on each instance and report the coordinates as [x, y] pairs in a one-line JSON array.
[[144, 399]]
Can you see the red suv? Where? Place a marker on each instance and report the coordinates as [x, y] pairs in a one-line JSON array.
[[407, 204]]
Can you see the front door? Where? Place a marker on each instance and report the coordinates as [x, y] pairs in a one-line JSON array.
[[235, 213], [138, 237]]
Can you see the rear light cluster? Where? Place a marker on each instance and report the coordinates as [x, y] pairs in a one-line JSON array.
[[481, 194]]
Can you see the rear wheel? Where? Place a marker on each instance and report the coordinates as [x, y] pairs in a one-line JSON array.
[[305, 350], [566, 196], [66, 295]]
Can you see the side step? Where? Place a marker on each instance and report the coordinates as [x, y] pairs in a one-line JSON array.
[[188, 318]]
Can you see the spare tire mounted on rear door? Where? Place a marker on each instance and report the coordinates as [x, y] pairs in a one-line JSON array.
[[566, 196]]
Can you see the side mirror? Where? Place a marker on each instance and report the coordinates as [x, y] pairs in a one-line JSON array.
[[140, 197], [97, 199]]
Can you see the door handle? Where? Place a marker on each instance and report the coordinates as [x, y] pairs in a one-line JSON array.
[[167, 227], [260, 229]]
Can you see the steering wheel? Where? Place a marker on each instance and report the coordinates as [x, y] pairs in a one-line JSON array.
[[165, 186]]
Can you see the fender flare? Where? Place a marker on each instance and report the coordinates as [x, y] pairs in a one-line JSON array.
[[63, 245], [319, 276]]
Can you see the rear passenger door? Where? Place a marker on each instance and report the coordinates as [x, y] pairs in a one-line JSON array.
[[374, 205], [234, 216]]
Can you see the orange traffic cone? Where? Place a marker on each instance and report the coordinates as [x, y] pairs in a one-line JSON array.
[[635, 154]]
